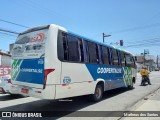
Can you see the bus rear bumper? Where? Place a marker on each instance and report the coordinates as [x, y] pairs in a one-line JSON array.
[[47, 93]]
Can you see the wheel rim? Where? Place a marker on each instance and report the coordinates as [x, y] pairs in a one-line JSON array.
[[98, 93]]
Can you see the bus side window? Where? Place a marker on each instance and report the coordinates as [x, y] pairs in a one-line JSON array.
[[65, 46], [97, 54], [73, 48], [134, 59], [62, 48], [133, 62], [129, 61], [93, 52], [85, 44], [114, 57], [119, 58], [81, 50], [100, 54], [122, 59], [111, 56], [105, 55]]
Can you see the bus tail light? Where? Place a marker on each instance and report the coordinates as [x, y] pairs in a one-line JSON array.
[[46, 72]]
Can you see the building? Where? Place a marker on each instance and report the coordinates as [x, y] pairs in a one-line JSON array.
[[5, 58], [148, 61]]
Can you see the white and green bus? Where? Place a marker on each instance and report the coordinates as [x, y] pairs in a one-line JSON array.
[[50, 62]]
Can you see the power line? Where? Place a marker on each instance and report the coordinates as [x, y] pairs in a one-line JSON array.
[[148, 41], [13, 23], [2, 33], [136, 28], [43, 10], [9, 31], [143, 45]]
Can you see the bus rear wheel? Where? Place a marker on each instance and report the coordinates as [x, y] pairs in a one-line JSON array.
[[130, 87], [97, 96]]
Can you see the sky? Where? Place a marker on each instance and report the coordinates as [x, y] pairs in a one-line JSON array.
[[136, 22]]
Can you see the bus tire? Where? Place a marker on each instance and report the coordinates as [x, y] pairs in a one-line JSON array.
[[130, 87], [97, 96]]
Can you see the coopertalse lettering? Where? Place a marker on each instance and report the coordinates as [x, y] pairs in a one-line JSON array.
[[32, 70], [109, 70]]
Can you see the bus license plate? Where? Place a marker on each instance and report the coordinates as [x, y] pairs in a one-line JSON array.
[[24, 90]]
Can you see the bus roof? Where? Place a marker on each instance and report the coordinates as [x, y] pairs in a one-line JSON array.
[[34, 29], [101, 43], [89, 39], [72, 33]]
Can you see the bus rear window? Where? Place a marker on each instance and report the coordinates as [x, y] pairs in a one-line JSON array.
[[30, 45]]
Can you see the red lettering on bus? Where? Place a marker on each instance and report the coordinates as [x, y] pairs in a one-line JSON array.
[[38, 37]]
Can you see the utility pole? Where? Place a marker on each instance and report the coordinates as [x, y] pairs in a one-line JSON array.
[[104, 35], [144, 55], [157, 61]]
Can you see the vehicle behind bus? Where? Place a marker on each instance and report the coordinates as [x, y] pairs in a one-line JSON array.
[[5, 79]]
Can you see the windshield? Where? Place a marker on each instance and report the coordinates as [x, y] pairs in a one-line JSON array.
[[30, 45]]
